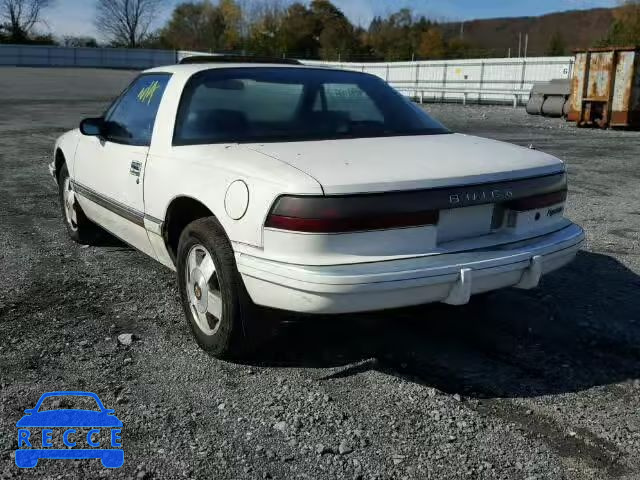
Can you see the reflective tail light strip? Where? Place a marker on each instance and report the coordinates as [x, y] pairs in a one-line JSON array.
[[538, 201], [377, 211], [354, 224]]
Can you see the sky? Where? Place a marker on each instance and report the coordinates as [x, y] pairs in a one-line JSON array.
[[75, 17]]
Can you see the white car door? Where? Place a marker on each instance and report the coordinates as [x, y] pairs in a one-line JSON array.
[[108, 172]]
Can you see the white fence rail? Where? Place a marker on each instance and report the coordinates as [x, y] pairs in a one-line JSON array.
[[493, 80]]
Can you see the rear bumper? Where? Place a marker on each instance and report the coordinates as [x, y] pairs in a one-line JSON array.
[[451, 278]]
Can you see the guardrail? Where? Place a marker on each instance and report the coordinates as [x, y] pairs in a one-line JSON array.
[[53, 56], [419, 93], [491, 80]]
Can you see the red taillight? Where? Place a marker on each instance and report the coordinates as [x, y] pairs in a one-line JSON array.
[[336, 225], [411, 208], [343, 214], [538, 201]]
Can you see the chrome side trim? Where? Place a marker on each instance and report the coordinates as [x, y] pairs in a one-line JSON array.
[[153, 225], [124, 211]]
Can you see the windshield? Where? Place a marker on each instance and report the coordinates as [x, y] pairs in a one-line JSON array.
[[266, 104]]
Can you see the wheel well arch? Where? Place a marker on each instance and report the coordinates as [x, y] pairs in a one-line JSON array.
[[59, 160], [180, 213]]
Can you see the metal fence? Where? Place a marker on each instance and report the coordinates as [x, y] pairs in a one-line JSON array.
[[493, 80], [52, 56]]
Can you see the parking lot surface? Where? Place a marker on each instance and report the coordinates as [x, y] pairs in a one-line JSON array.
[[540, 384]]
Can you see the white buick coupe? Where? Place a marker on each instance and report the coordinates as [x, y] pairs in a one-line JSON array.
[[307, 189]]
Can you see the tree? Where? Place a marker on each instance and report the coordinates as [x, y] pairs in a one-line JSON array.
[[335, 33], [204, 26], [298, 33], [194, 26], [626, 26], [557, 46], [264, 29], [126, 22], [458, 48], [301, 28], [432, 46], [19, 17], [396, 37], [231, 14], [71, 41]]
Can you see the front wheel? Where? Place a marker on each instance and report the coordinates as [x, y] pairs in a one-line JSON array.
[[79, 227], [213, 295]]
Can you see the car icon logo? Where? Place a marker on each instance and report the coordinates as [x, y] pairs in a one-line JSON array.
[[69, 433]]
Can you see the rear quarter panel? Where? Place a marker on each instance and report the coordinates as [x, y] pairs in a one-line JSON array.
[[204, 173]]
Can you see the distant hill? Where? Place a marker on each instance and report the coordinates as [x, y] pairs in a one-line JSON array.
[[576, 28]]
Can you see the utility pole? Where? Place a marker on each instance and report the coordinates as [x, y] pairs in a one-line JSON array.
[[509, 52], [519, 44], [526, 44], [462, 31]]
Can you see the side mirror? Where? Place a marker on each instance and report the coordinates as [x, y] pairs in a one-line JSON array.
[[29, 411], [92, 127], [109, 411]]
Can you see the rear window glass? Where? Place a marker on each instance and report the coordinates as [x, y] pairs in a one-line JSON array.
[[236, 105], [258, 101], [350, 97]]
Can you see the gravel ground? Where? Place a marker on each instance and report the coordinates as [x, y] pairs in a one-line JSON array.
[[538, 384]]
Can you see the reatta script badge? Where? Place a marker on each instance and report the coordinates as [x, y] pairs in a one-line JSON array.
[[480, 197]]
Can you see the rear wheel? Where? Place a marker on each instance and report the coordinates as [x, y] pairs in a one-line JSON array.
[[213, 295], [79, 227]]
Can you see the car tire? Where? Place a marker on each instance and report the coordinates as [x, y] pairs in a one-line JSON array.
[[79, 227], [215, 301]]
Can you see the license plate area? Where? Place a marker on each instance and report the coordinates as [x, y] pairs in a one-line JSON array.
[[465, 222]]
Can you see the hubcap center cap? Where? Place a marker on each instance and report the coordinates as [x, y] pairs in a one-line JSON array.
[[200, 290]]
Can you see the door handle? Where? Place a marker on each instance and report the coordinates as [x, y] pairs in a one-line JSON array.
[[135, 168]]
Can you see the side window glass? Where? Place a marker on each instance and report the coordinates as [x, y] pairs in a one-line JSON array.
[[131, 119]]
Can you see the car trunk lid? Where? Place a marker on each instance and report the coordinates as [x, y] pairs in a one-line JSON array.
[[369, 165], [469, 181]]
